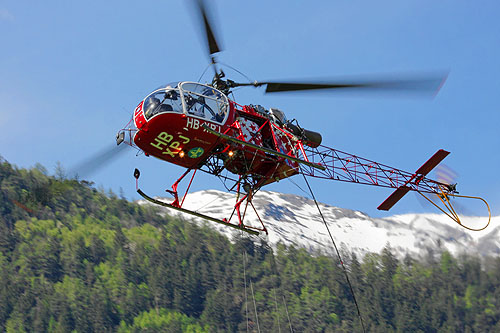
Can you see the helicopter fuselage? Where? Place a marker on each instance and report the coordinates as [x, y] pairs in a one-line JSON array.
[[176, 123]]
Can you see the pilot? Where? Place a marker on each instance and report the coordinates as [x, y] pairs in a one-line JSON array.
[[194, 107], [168, 103], [165, 107], [151, 106], [219, 116]]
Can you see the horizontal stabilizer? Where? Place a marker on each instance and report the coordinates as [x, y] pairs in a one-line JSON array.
[[420, 173], [393, 198], [432, 162]]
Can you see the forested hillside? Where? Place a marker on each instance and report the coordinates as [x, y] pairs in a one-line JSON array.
[[76, 258]]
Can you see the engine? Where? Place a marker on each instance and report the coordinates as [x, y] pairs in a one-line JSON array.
[[310, 138]]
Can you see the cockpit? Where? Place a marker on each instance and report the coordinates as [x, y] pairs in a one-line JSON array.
[[204, 101], [191, 98], [164, 99]]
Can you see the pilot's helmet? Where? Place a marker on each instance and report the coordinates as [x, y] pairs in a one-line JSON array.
[[151, 104]]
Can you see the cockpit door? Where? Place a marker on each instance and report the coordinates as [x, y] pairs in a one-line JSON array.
[[204, 102]]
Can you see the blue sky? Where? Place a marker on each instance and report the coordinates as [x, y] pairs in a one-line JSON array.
[[71, 74]]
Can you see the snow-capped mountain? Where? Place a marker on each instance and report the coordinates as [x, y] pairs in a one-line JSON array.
[[294, 220]]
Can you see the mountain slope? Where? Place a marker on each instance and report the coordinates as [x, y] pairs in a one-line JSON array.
[[294, 220]]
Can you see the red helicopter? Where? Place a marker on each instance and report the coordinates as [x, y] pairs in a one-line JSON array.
[[197, 126]]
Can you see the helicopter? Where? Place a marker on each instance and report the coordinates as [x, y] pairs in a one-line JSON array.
[[199, 127]]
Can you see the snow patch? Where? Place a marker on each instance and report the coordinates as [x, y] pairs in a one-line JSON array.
[[294, 220]]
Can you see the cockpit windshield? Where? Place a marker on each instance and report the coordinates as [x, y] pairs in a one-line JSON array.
[[164, 99], [204, 101]]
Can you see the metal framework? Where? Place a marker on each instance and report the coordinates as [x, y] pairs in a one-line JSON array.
[[350, 168]]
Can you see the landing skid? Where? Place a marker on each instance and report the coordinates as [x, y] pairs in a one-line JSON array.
[[203, 216], [177, 205]]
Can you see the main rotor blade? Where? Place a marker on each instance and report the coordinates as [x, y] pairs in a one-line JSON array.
[[430, 84], [96, 161], [213, 46]]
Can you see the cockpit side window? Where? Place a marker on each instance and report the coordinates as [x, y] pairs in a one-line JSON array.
[[204, 102], [161, 101]]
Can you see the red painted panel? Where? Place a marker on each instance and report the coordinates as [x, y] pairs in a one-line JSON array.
[[177, 138], [139, 119]]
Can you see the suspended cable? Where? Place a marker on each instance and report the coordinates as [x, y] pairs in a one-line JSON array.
[[287, 314], [297, 185], [338, 254], [255, 307], [253, 296], [274, 264], [245, 279], [208, 203], [237, 71], [204, 72], [277, 310]]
